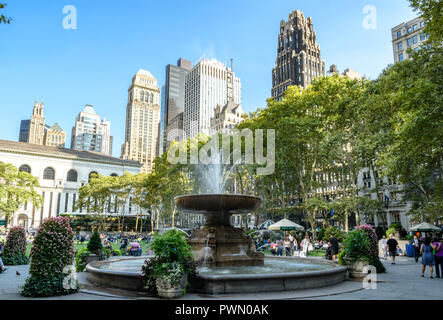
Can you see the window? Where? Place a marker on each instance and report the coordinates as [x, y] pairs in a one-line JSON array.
[[49, 174], [414, 39], [422, 24], [422, 36], [25, 168], [415, 27], [409, 29], [399, 46], [398, 34], [72, 176], [93, 174], [409, 42]]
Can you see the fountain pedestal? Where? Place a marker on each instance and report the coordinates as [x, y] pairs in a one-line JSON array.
[[218, 243]]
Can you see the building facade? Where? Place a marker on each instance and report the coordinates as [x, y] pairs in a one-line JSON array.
[[407, 35], [55, 136], [90, 133], [227, 117], [173, 98], [142, 120], [60, 172], [298, 59], [208, 84]]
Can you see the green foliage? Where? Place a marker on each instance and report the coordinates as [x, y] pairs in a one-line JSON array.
[[95, 243], [390, 231], [396, 226], [356, 246], [16, 245], [16, 188], [337, 232], [380, 231], [3, 18], [15, 260], [80, 259], [45, 287], [172, 254], [52, 251]]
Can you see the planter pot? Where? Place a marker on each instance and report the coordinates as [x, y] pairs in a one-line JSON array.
[[356, 269], [170, 292]]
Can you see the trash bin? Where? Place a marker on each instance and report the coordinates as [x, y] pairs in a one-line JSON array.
[[409, 250]]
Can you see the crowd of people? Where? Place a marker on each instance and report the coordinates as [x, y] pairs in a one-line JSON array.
[[290, 246], [430, 250]]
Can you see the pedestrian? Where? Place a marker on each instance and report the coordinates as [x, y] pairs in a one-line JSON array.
[[287, 246], [438, 258], [334, 246], [416, 247], [427, 256], [392, 246], [306, 244], [279, 247], [383, 242], [2, 266], [291, 240]]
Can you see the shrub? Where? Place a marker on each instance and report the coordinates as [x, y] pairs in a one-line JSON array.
[[80, 259], [53, 250], [15, 247], [356, 246], [389, 231], [331, 229], [172, 253], [95, 243]]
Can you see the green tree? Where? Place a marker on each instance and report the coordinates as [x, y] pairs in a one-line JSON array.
[[16, 188], [3, 18]]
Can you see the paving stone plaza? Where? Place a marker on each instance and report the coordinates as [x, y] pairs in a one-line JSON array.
[[401, 282]]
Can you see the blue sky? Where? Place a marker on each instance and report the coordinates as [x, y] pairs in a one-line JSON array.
[[94, 64]]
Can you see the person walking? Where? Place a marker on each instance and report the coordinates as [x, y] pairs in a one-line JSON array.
[[416, 246], [334, 246], [306, 243], [383, 242], [392, 246], [438, 247], [427, 256]]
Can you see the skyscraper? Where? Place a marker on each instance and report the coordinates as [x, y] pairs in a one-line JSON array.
[[37, 125], [298, 59], [142, 120], [173, 98], [208, 84], [90, 133]]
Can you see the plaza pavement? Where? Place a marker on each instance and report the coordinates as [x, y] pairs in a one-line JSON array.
[[402, 281]]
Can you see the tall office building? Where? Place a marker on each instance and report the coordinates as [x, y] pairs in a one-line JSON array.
[[90, 133], [173, 98], [142, 120], [298, 59], [209, 84], [407, 35]]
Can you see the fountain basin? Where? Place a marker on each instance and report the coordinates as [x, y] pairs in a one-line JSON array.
[[293, 274], [216, 203]]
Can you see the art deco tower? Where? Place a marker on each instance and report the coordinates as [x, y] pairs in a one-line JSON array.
[[142, 120], [298, 55]]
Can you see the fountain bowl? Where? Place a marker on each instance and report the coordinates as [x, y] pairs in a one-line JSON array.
[[204, 203]]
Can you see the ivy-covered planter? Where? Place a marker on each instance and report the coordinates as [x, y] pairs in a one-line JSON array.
[[170, 291]]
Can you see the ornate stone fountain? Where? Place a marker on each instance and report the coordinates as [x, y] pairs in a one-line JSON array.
[[217, 243]]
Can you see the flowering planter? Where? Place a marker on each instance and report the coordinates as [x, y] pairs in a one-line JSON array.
[[168, 291]]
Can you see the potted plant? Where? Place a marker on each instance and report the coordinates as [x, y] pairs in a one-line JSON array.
[[167, 273], [356, 253]]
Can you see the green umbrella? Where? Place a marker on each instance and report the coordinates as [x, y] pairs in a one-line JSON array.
[[424, 227], [286, 225]]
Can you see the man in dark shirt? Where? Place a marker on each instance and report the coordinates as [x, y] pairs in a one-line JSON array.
[[334, 247], [392, 245]]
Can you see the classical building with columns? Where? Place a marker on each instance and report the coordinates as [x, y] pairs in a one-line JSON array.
[[61, 172]]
